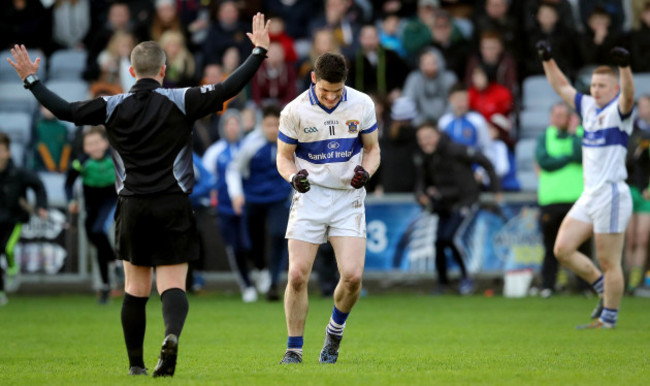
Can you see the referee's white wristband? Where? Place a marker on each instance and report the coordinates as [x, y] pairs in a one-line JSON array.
[[291, 178]]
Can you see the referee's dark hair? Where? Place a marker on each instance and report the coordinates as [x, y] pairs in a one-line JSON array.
[[147, 58], [331, 67]]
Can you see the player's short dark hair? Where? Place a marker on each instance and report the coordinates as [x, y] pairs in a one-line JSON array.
[[271, 110], [95, 130], [4, 139], [457, 87], [428, 124], [331, 67], [147, 58]]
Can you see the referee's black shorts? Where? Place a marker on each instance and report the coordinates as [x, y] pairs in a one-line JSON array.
[[156, 230]]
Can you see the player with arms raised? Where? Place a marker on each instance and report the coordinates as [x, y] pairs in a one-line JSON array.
[[605, 205], [327, 150]]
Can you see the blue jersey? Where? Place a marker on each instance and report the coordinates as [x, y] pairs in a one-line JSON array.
[[217, 158], [469, 130], [203, 184], [254, 174]]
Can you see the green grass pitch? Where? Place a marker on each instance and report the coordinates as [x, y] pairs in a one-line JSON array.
[[392, 339]]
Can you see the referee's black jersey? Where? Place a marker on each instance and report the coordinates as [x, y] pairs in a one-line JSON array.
[[150, 132]]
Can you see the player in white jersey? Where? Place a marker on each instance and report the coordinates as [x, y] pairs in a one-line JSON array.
[[605, 205], [327, 150]]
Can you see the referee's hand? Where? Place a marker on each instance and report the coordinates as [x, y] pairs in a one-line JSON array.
[[260, 35], [543, 50], [21, 63]]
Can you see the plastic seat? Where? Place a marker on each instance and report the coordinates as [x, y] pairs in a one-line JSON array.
[[525, 162], [69, 89], [18, 125], [533, 122], [67, 64], [7, 73], [14, 98]]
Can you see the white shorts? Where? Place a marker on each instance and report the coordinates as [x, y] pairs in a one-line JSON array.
[[323, 212], [608, 210]]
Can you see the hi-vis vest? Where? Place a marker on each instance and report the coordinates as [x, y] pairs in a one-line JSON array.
[[562, 185]]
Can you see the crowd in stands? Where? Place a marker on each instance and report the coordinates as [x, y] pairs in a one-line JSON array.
[[418, 49], [460, 63]]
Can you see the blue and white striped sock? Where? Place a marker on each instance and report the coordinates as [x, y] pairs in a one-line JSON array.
[[599, 285], [609, 317], [337, 322], [294, 343]]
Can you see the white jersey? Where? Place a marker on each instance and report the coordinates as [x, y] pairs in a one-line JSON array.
[[328, 142], [604, 145]]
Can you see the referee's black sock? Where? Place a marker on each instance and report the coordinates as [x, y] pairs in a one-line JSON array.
[[134, 322], [174, 310]]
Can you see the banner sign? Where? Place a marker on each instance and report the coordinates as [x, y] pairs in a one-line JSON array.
[[41, 247], [492, 239]]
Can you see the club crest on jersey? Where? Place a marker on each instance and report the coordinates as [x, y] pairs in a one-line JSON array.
[[353, 126]]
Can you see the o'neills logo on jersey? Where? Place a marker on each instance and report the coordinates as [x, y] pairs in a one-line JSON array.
[[353, 126]]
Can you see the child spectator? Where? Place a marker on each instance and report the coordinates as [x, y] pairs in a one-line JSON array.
[[52, 147]]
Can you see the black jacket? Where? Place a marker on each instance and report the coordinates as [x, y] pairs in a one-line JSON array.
[[449, 170], [14, 182]]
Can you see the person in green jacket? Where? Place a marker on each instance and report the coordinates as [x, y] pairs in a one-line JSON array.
[[100, 198], [559, 157]]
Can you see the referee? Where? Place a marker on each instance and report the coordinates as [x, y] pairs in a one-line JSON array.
[[149, 129]]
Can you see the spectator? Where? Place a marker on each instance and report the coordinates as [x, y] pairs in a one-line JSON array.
[[454, 48], [266, 196], [119, 19], [97, 171], [598, 39], [487, 97], [638, 168], [398, 147], [498, 64], [206, 129], [200, 199], [346, 30], [548, 26], [165, 19], [417, 32], [227, 31], [114, 61], [446, 187], [25, 21], [389, 34], [462, 125], [180, 62], [296, 15], [501, 155], [14, 209], [322, 42], [559, 156], [529, 12], [640, 42], [275, 81], [496, 18], [278, 34], [374, 68], [70, 22], [231, 225], [53, 147], [614, 8], [230, 61], [429, 85]]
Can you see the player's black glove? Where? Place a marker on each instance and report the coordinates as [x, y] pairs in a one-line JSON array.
[[620, 56], [299, 181], [360, 178], [543, 50]]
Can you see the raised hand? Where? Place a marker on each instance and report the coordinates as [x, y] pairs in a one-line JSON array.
[[620, 56], [21, 63], [260, 35], [543, 50]]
